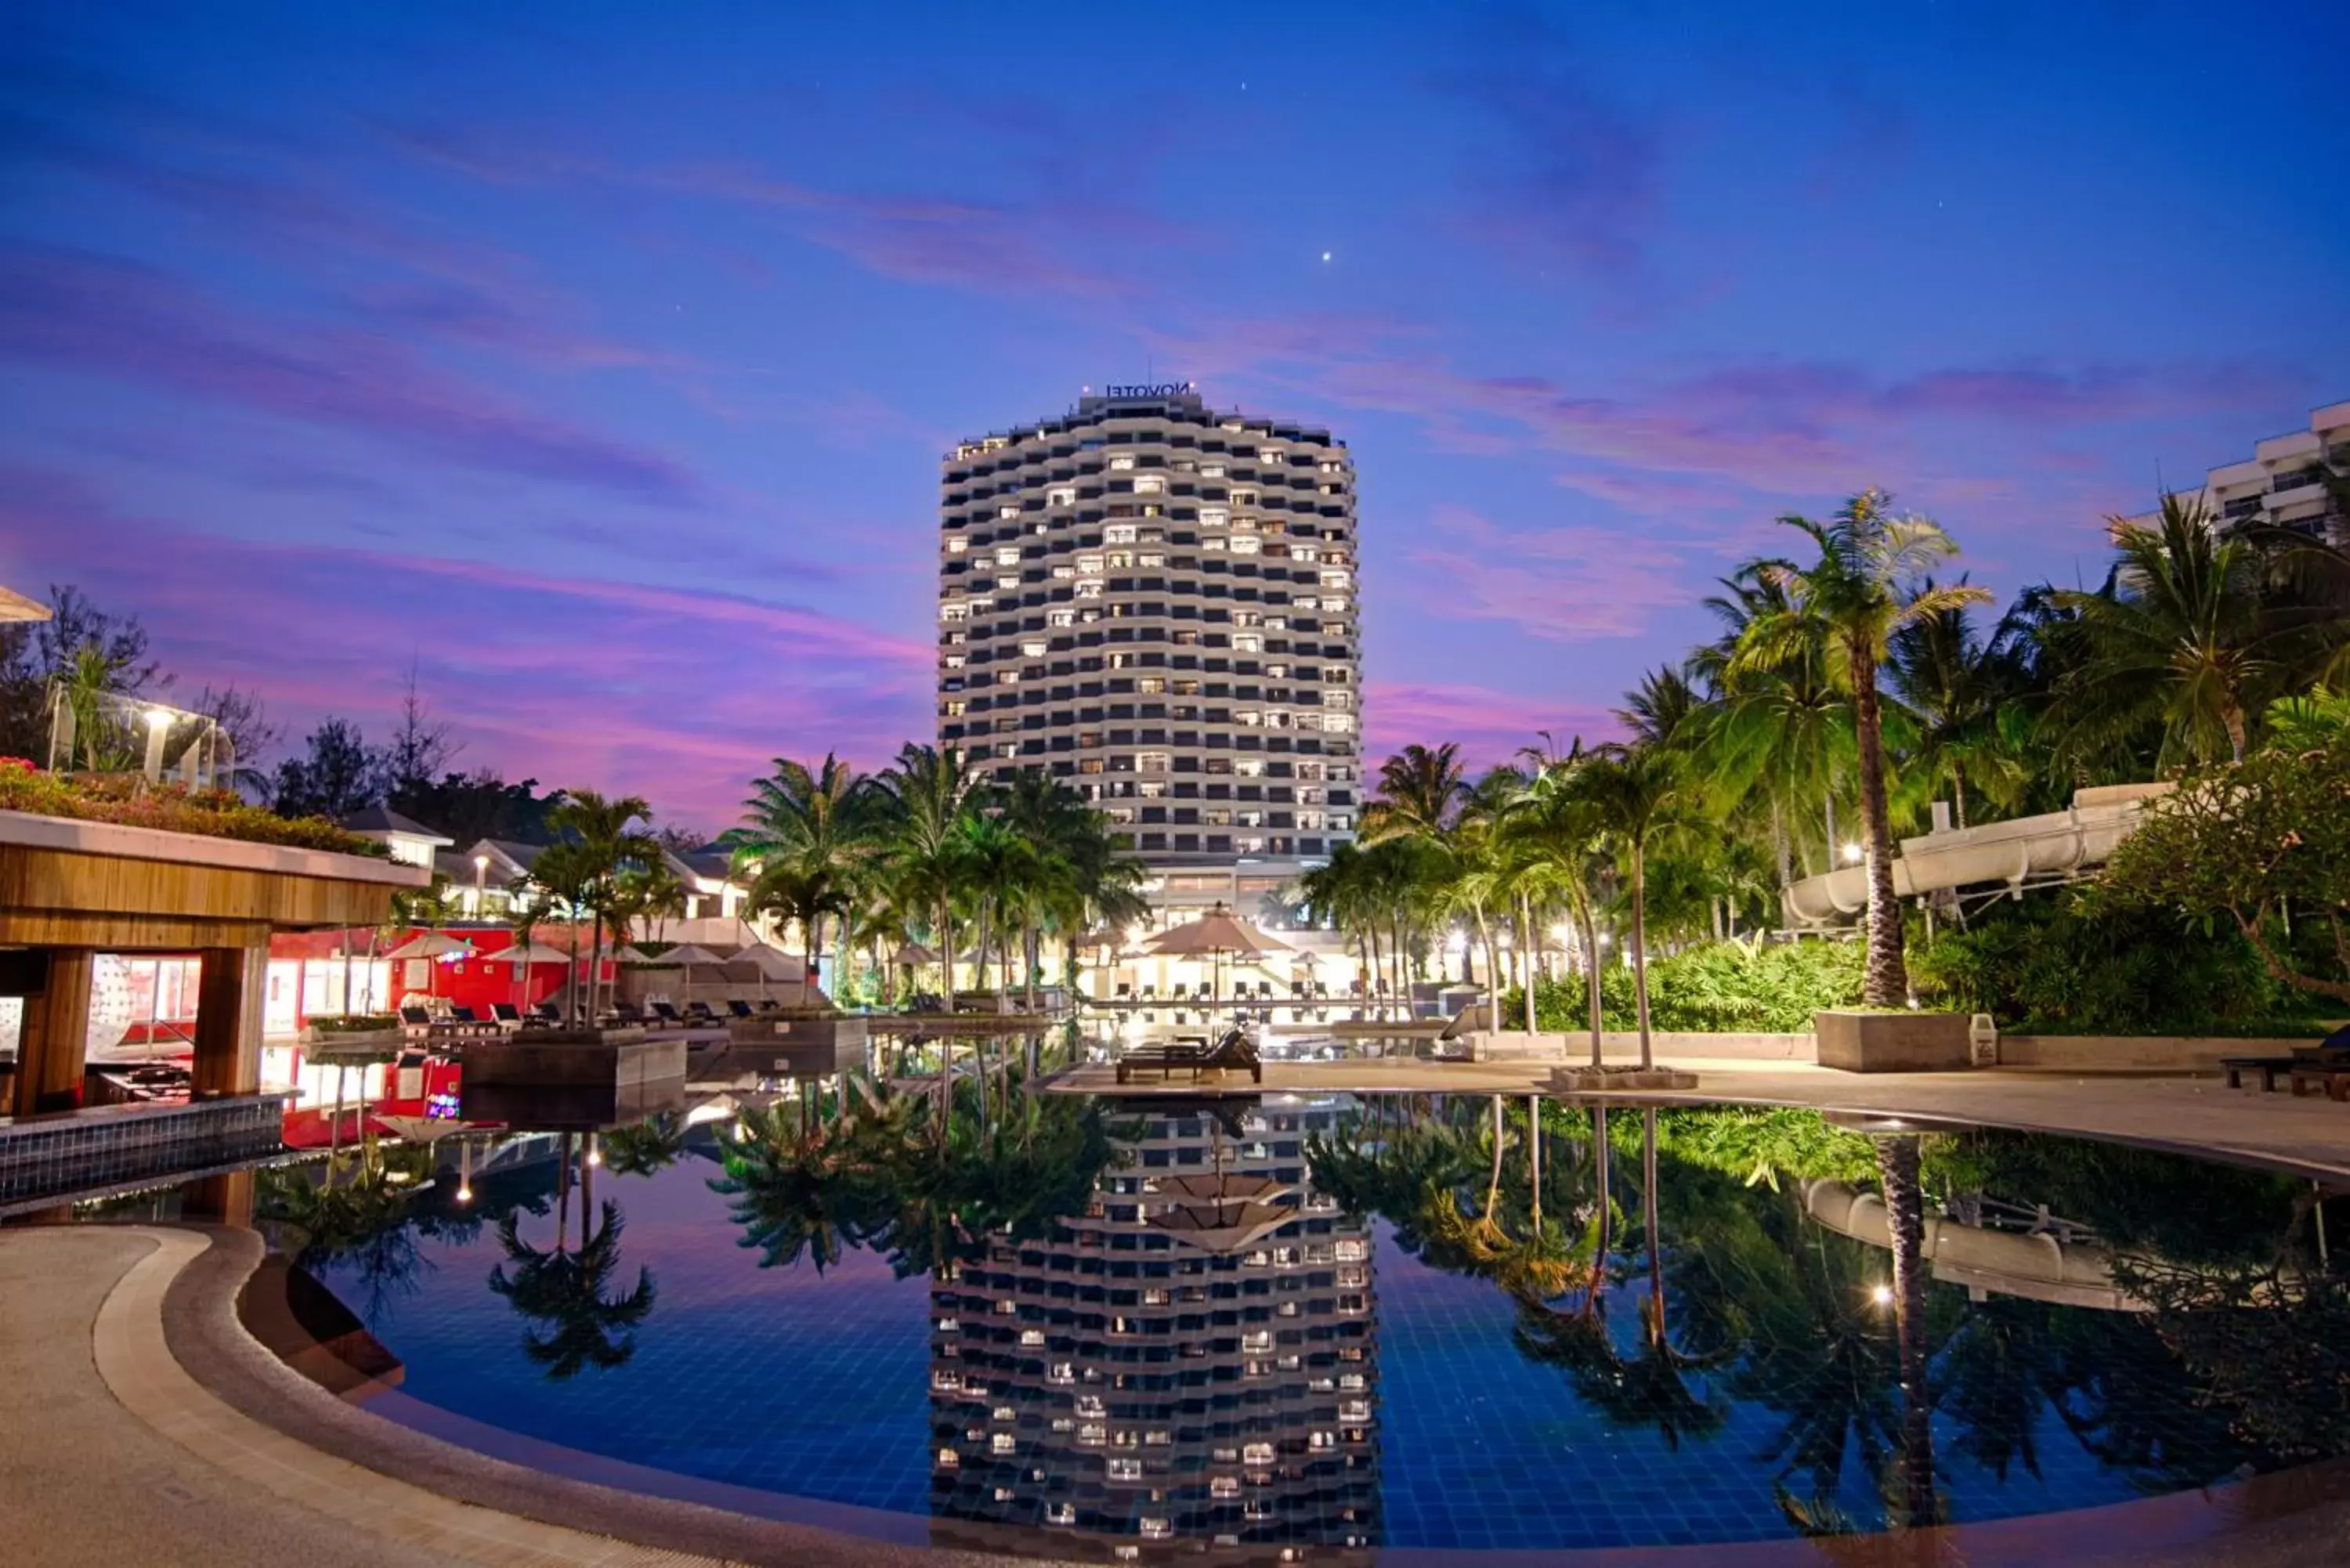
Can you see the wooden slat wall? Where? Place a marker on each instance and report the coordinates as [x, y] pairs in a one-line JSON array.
[[58, 897]]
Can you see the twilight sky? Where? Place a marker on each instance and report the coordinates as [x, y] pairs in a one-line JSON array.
[[598, 359]]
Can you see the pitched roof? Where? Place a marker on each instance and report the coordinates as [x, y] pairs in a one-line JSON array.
[[383, 819]]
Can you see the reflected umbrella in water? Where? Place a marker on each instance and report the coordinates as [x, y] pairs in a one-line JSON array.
[[569, 1292]]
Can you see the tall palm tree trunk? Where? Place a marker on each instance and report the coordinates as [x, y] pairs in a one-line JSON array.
[[1905, 1213], [946, 948], [1641, 949], [1887, 978], [1591, 970], [1529, 946]]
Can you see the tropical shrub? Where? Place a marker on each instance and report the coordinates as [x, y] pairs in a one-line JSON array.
[[134, 802], [1715, 988], [2258, 845], [2062, 966]]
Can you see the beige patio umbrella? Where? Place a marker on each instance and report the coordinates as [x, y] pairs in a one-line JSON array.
[[430, 945], [1224, 1212], [14, 606], [522, 957], [1214, 936], [686, 955], [769, 963]]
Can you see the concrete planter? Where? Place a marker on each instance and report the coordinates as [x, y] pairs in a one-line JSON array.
[[799, 1046], [1893, 1041], [571, 1077], [1615, 1079]]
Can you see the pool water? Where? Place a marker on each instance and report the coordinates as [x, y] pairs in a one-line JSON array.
[[1333, 1323]]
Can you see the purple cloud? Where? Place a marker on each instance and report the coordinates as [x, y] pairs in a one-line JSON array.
[[681, 695], [115, 318], [1562, 584]]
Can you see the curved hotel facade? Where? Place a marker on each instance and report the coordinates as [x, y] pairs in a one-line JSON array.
[[1156, 601]]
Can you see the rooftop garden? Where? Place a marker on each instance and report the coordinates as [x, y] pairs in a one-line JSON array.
[[132, 801]]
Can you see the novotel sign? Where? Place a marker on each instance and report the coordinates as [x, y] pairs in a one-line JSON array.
[[1150, 389]]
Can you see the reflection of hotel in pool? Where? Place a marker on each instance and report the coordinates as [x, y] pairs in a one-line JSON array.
[[1191, 1361]]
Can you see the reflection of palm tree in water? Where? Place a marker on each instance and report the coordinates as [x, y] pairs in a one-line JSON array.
[[1650, 1389], [570, 1290], [1905, 1213]]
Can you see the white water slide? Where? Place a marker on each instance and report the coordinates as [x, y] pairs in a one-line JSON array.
[[1999, 856]]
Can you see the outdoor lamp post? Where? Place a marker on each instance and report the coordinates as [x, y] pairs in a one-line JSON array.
[[159, 729]]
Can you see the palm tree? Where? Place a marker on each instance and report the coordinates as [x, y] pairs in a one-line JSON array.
[[1420, 792], [1960, 690], [931, 794], [1635, 793], [1864, 587], [1553, 830], [610, 838], [811, 830], [2183, 637]]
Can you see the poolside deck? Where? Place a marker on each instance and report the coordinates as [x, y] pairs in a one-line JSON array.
[[2188, 1114]]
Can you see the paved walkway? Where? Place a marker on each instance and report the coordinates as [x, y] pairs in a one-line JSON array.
[[2191, 1114]]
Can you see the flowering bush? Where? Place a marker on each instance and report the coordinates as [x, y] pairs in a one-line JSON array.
[[215, 813]]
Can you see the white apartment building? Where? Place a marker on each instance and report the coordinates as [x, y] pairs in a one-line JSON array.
[[1157, 602], [2284, 482]]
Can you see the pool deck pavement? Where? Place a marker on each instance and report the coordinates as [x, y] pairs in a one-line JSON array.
[[2191, 1114], [138, 1423]]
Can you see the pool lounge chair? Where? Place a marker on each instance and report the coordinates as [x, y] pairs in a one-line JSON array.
[[547, 1013], [665, 1016], [737, 1008], [1234, 1053]]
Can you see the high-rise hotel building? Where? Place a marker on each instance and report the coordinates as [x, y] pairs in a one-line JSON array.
[[1157, 601]]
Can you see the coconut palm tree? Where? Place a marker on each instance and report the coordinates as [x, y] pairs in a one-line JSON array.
[[2188, 636], [607, 836], [931, 794], [1420, 792], [1552, 830], [1635, 793], [1864, 586], [1960, 691], [1905, 1217], [813, 827]]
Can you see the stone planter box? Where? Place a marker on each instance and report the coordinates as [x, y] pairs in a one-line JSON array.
[[797, 1046], [1615, 1079], [570, 1077], [1893, 1041], [351, 1047]]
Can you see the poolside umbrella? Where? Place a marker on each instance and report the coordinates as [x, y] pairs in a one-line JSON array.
[[1227, 1211], [430, 945], [686, 955], [770, 964], [1213, 936], [522, 956], [14, 606]]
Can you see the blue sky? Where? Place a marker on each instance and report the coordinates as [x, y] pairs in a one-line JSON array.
[[597, 360]]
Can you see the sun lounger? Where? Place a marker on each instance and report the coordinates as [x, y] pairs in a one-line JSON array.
[[2330, 1073], [547, 1013], [506, 1016], [2268, 1067], [738, 1008], [1231, 1053], [663, 1013], [697, 1014]]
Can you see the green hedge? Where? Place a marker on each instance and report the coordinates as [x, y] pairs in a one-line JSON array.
[[2050, 965], [1718, 988]]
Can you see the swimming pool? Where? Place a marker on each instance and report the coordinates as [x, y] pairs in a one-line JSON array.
[[1333, 1325]]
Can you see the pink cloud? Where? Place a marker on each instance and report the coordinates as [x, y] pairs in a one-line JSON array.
[[681, 695], [1490, 725], [1563, 585], [117, 318]]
